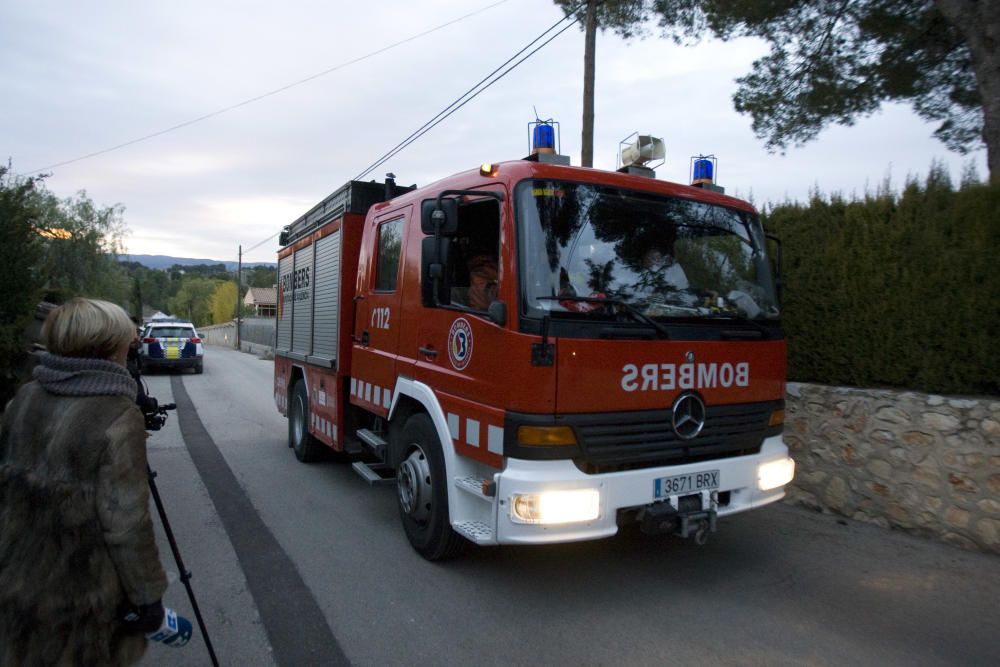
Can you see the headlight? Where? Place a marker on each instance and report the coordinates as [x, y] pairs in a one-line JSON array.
[[773, 474], [556, 506]]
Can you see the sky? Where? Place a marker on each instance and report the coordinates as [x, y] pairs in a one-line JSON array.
[[82, 77]]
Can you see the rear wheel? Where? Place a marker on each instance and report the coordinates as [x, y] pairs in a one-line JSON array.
[[307, 448], [422, 491], [199, 368]]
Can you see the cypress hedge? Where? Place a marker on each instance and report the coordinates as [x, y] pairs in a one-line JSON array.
[[894, 290]]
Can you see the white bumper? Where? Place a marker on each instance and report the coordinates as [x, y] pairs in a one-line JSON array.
[[620, 490]]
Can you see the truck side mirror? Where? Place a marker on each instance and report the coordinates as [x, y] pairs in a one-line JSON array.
[[433, 259], [447, 216]]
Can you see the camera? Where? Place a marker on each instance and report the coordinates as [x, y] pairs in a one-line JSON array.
[[154, 413]]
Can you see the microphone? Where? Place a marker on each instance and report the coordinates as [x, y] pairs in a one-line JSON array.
[[158, 623], [174, 631]]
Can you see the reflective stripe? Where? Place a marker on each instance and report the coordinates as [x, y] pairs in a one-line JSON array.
[[494, 439], [472, 432]]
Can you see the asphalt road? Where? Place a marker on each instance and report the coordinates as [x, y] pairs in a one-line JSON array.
[[288, 556]]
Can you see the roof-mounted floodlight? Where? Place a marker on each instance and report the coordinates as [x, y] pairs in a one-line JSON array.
[[641, 149], [640, 154]]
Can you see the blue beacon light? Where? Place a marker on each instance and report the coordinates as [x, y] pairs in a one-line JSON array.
[[702, 172], [543, 138]]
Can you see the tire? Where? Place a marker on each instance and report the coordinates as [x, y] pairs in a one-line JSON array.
[[307, 448], [199, 368], [422, 491]]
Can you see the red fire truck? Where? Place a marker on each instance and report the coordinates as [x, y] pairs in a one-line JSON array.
[[533, 352]]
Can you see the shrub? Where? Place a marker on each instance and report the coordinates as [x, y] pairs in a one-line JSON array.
[[893, 289]]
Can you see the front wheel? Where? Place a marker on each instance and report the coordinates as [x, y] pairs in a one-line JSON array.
[[422, 492], [307, 448]]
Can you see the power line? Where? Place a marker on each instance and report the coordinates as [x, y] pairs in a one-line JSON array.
[[457, 104], [254, 247], [267, 94], [469, 95]]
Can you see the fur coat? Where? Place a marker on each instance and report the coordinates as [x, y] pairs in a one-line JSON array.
[[76, 539]]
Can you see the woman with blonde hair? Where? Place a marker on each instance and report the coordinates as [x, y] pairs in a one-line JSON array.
[[77, 550]]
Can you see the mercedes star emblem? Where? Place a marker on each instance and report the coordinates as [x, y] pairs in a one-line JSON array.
[[689, 416]]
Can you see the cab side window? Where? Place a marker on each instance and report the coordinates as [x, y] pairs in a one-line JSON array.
[[390, 244], [473, 262]]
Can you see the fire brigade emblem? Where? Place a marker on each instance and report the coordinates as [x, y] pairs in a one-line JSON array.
[[460, 344]]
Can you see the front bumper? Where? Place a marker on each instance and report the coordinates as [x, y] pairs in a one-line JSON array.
[[630, 489]]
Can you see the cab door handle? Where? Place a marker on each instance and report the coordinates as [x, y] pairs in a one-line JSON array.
[[364, 337], [428, 351]]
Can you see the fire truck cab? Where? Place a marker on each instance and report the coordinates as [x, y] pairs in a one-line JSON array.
[[534, 352]]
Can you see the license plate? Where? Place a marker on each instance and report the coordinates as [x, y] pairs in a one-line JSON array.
[[682, 484]]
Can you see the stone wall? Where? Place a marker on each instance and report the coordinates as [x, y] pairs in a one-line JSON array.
[[922, 463], [259, 330], [253, 334], [219, 334]]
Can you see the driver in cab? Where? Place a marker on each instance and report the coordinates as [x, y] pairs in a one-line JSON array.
[[483, 285]]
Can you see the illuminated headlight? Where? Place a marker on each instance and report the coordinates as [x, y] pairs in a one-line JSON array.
[[556, 506], [773, 474]]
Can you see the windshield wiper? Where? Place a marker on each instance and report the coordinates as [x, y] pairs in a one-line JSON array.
[[760, 330], [636, 314]]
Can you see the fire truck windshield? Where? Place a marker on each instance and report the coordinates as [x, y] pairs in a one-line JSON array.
[[664, 257]]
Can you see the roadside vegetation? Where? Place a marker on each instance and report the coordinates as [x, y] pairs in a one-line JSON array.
[[53, 249], [894, 289]]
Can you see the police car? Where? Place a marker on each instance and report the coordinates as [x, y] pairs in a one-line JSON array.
[[171, 345]]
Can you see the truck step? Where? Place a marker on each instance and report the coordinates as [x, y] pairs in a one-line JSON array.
[[352, 446], [474, 531], [373, 442], [474, 486], [376, 474]]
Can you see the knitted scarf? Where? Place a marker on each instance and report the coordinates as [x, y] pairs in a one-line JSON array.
[[78, 376]]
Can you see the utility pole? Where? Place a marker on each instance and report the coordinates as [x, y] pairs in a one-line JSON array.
[[589, 46], [239, 294]]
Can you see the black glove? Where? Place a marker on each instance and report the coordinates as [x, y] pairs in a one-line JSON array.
[[144, 618]]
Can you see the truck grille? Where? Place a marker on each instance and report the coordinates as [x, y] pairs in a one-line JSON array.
[[632, 440]]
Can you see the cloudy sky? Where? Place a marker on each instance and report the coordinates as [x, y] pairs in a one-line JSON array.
[[82, 77]]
